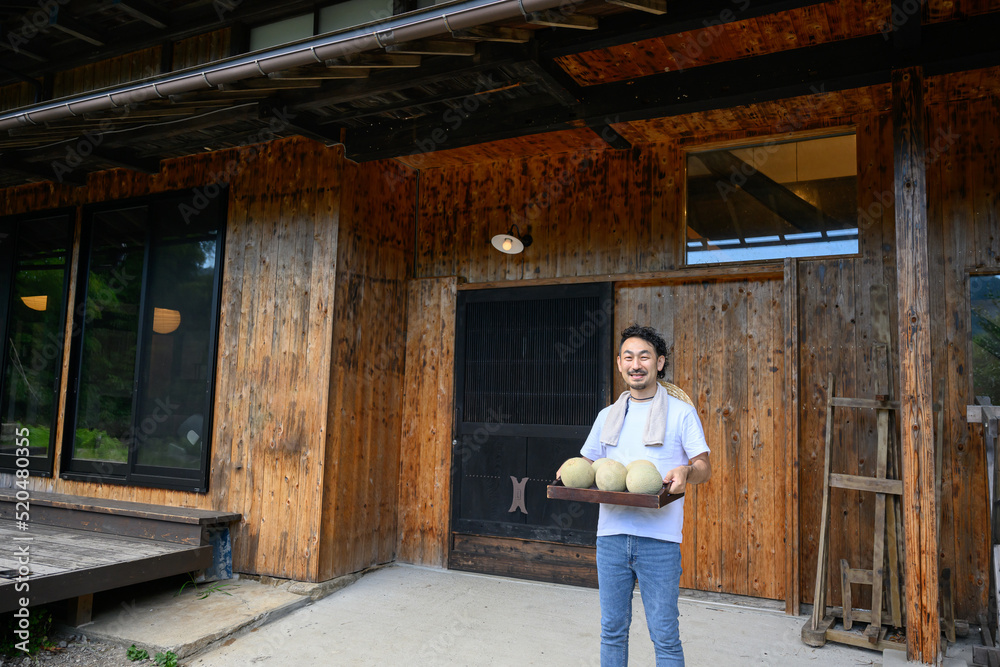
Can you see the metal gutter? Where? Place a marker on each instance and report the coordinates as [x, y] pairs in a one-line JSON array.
[[422, 24]]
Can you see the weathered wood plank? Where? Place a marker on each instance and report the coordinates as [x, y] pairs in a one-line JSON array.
[[426, 451], [789, 451], [917, 429]]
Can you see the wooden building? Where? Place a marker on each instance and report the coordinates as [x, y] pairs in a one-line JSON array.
[[311, 327]]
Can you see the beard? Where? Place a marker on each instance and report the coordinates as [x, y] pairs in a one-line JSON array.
[[640, 382]]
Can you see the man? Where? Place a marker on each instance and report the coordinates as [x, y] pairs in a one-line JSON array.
[[642, 544]]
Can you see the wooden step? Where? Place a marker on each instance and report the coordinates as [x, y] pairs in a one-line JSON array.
[[182, 525]]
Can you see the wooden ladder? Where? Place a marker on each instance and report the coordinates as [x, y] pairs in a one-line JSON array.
[[819, 628], [886, 485]]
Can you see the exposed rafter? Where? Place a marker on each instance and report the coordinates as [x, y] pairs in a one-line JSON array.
[[433, 47], [554, 19], [649, 6], [143, 11], [489, 33], [74, 28], [375, 61]]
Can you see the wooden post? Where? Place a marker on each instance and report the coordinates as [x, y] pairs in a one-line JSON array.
[[79, 610], [923, 630], [793, 595]]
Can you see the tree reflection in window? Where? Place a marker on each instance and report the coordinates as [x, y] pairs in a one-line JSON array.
[[985, 302], [34, 253]]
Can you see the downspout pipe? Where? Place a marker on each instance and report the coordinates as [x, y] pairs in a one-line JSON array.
[[423, 24]]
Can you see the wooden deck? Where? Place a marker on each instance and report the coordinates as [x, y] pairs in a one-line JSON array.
[[74, 546], [66, 562]]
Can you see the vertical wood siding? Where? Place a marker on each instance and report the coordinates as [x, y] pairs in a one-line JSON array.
[[726, 351], [425, 459], [366, 371]]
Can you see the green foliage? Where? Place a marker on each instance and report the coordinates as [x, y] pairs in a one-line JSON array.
[[168, 659], [99, 445], [39, 627], [134, 653], [985, 297], [203, 591]]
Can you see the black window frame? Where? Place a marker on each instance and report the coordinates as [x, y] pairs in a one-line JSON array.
[[37, 467], [130, 473]]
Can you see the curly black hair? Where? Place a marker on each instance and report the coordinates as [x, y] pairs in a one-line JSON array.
[[649, 335]]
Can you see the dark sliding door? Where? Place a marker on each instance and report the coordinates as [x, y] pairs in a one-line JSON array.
[[532, 370]]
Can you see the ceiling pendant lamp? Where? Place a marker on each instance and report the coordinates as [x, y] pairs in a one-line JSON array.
[[512, 242]]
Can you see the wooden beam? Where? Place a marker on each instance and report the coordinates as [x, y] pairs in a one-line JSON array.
[[489, 33], [73, 28], [302, 123], [923, 631], [374, 61], [126, 159], [611, 137], [143, 11], [629, 27], [649, 6], [433, 47], [556, 19], [268, 83], [48, 172], [321, 75]]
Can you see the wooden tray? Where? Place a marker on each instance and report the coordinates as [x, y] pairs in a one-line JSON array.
[[558, 491]]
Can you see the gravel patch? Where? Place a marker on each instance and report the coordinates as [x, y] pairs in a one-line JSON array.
[[77, 651]]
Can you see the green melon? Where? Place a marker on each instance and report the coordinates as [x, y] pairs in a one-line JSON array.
[[596, 465], [611, 476], [644, 479], [577, 473], [639, 462]]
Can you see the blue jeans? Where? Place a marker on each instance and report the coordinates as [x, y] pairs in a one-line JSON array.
[[656, 565]]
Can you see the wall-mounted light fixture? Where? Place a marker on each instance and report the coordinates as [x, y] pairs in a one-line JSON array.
[[36, 302], [165, 320], [512, 242]]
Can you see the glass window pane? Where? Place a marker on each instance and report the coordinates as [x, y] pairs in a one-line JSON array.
[[794, 199], [174, 391], [353, 12], [280, 32], [985, 301], [34, 342], [107, 366]]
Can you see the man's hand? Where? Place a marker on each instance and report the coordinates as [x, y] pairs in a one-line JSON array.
[[697, 471]]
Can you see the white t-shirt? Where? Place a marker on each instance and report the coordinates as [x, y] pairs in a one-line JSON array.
[[683, 440]]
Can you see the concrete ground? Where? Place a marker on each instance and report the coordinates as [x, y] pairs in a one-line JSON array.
[[411, 615]]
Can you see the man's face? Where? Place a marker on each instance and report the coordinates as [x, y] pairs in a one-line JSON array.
[[638, 363]]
